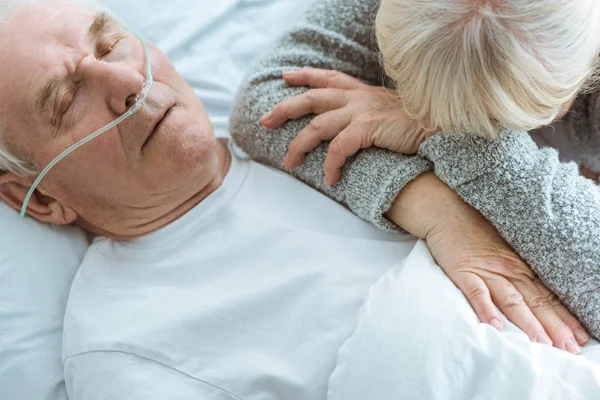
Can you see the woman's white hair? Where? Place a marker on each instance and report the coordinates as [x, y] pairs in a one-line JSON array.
[[479, 66], [9, 161]]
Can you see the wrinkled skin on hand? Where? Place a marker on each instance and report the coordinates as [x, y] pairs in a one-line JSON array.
[[482, 265], [349, 113], [491, 275]]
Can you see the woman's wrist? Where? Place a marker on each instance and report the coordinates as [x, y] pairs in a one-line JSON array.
[[422, 204]]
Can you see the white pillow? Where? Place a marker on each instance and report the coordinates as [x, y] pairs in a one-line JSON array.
[[417, 337], [37, 264]]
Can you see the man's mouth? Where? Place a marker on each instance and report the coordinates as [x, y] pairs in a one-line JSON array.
[[156, 127]]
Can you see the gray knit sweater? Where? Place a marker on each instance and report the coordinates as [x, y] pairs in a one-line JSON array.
[[544, 209]]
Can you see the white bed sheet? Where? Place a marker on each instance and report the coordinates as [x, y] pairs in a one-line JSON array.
[[423, 341]]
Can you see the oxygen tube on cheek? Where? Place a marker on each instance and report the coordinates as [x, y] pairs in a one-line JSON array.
[[140, 100]]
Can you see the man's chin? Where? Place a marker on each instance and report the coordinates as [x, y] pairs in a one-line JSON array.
[[173, 178]]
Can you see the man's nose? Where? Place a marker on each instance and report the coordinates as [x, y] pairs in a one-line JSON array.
[[119, 83]]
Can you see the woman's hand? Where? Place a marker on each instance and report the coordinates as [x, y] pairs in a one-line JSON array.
[[482, 265], [351, 114]]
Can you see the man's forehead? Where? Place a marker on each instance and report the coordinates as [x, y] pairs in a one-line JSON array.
[[32, 41], [36, 29], [49, 18]]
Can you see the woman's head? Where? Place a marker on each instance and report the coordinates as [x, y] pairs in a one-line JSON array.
[[483, 65]]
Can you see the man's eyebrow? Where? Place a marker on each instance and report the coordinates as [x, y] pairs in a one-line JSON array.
[[100, 24], [44, 95]]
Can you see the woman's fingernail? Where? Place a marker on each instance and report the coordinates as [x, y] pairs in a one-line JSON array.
[[543, 339], [572, 347], [287, 74], [495, 322], [327, 181], [266, 117], [580, 335]]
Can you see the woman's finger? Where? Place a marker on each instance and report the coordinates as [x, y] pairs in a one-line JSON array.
[[355, 137], [580, 334], [323, 127], [544, 310], [321, 78], [314, 101], [512, 304], [478, 295]]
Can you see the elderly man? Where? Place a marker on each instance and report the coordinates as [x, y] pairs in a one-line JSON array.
[[211, 276]]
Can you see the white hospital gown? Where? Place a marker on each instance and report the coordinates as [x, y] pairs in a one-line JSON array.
[[248, 296]]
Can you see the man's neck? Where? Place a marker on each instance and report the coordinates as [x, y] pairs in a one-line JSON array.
[[175, 211]]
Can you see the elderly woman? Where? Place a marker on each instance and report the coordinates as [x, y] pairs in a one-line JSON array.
[[545, 210]]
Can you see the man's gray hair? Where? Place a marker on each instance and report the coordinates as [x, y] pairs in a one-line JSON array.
[[9, 161]]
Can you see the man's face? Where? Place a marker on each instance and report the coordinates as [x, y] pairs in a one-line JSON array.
[[66, 74]]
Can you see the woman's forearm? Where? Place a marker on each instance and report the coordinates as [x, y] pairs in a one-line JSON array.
[[419, 205], [345, 42]]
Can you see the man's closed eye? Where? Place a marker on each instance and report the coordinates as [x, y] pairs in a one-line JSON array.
[[104, 48]]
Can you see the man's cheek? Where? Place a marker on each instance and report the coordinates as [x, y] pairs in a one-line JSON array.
[[105, 148]]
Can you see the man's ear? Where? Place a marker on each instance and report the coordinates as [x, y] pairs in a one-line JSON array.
[[13, 190]]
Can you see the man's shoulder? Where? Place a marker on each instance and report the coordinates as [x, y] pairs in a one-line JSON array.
[[105, 292]]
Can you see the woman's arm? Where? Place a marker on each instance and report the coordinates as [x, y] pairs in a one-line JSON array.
[[334, 34], [463, 158], [547, 212], [339, 34], [483, 265]]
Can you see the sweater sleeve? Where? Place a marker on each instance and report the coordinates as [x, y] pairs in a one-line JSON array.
[[333, 34], [543, 208]]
